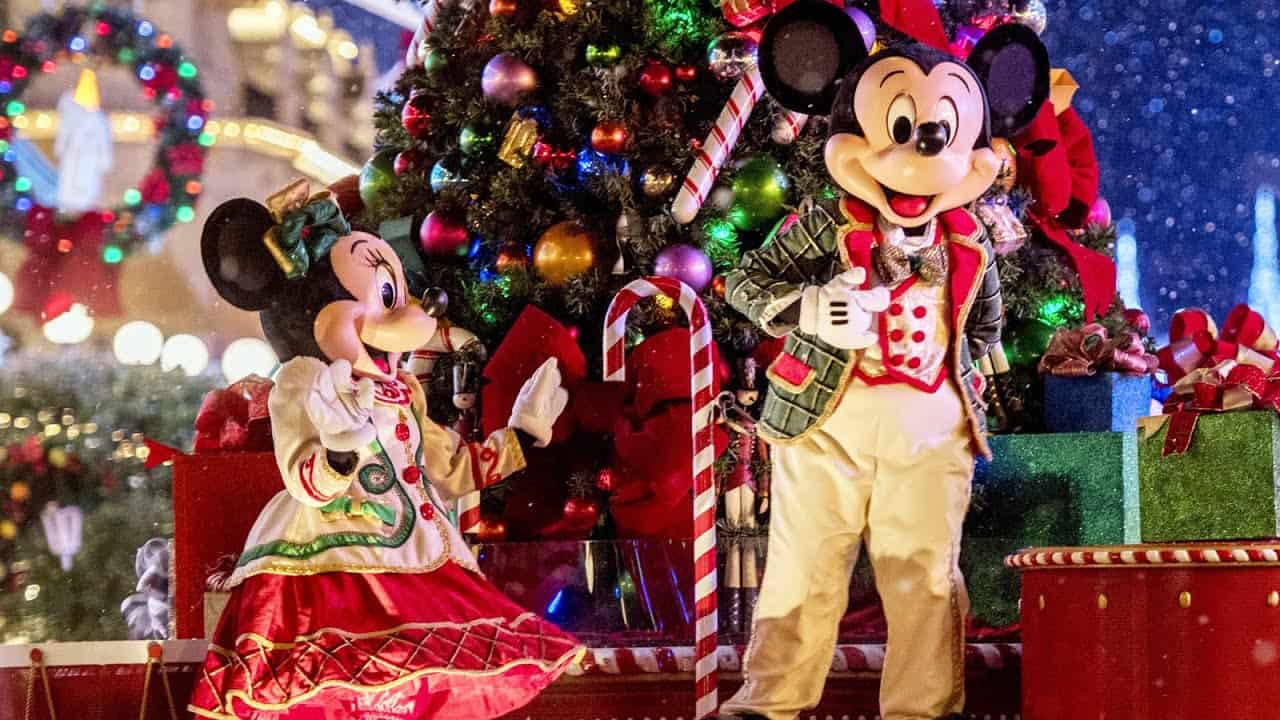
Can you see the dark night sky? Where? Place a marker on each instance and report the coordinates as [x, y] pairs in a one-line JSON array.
[[1184, 101]]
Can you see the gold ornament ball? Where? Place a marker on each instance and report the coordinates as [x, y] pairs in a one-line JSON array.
[[566, 249], [19, 492], [58, 457], [657, 181], [8, 530]]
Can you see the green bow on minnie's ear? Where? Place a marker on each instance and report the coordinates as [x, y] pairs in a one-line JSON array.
[[307, 227]]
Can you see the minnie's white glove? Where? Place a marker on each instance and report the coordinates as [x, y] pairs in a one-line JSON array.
[[540, 402], [841, 314], [340, 410]]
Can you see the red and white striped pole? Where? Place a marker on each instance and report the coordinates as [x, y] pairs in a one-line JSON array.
[[708, 159], [704, 492]]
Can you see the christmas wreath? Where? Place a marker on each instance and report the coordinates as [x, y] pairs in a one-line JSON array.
[[112, 35]]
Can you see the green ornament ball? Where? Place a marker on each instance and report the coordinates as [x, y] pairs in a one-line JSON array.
[[377, 176], [759, 193], [1026, 340], [435, 61], [474, 141]]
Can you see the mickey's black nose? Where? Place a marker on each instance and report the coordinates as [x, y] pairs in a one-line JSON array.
[[931, 137]]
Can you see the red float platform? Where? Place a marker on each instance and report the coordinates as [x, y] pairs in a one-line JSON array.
[[1145, 632], [106, 680]]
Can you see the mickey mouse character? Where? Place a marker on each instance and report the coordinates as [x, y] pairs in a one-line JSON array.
[[886, 296], [354, 594]]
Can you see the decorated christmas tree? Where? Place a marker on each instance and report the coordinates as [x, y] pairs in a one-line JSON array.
[[545, 154]]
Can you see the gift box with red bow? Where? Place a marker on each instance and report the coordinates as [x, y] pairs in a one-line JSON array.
[[1094, 382], [1207, 467], [218, 491]]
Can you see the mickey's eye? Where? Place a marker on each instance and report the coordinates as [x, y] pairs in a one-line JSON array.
[[902, 119], [386, 286], [948, 118]]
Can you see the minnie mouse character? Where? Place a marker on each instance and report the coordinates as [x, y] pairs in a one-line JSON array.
[[354, 594], [886, 296]]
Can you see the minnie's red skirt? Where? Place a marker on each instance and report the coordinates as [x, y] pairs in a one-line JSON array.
[[442, 645]]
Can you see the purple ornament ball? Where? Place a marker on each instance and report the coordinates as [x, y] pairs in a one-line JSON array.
[[866, 26], [1099, 213], [685, 263], [507, 79]]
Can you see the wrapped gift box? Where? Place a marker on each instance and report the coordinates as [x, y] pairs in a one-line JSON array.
[[1175, 632], [99, 680], [1053, 489], [216, 500], [1104, 402], [1224, 487]]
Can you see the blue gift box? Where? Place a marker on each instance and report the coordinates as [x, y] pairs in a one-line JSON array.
[[1106, 402]]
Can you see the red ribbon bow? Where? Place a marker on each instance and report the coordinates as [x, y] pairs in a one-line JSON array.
[[1083, 351], [64, 260], [235, 418], [1195, 342], [1057, 165], [1225, 387]]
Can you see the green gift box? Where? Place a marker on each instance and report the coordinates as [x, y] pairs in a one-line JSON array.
[[1223, 487], [1044, 490]]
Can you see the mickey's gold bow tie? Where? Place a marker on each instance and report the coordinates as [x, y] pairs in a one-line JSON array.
[[894, 265]]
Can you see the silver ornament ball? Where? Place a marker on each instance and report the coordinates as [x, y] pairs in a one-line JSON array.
[[731, 55]]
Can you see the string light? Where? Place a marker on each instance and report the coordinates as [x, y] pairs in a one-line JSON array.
[[1264, 288]]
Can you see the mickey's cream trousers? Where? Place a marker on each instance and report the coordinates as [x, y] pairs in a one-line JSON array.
[[891, 466]]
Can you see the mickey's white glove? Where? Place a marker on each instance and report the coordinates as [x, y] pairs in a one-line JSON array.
[[841, 314], [540, 403], [340, 410]]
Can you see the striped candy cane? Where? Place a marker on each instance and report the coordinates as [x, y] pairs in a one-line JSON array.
[[708, 159], [787, 126], [704, 499], [416, 55]]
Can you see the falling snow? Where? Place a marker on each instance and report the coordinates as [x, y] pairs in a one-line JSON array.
[[1182, 100]]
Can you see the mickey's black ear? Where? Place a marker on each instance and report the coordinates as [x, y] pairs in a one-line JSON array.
[[1013, 66], [235, 257], [805, 51]]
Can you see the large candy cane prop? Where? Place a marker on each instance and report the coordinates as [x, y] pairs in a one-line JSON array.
[[417, 52], [708, 159], [704, 498], [787, 126]]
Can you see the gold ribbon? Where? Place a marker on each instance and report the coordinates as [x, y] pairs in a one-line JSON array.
[[894, 265]]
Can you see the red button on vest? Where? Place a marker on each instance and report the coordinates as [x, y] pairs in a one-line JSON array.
[[913, 363], [427, 511], [402, 432], [895, 309], [920, 311], [895, 360], [917, 336], [896, 336], [411, 474]]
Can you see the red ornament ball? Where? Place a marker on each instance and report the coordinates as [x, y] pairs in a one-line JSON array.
[[491, 530], [407, 161], [605, 480], [503, 8], [655, 78], [1138, 319], [609, 137], [686, 73], [443, 234], [416, 115], [717, 286]]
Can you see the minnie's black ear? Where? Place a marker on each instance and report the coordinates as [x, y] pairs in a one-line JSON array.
[[1013, 66], [805, 51], [235, 257]]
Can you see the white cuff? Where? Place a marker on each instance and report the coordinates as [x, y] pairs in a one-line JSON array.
[[809, 302]]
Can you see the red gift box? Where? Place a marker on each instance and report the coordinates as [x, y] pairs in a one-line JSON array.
[[216, 499], [99, 680], [1175, 632]]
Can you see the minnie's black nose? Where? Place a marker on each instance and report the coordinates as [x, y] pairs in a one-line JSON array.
[[931, 137]]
